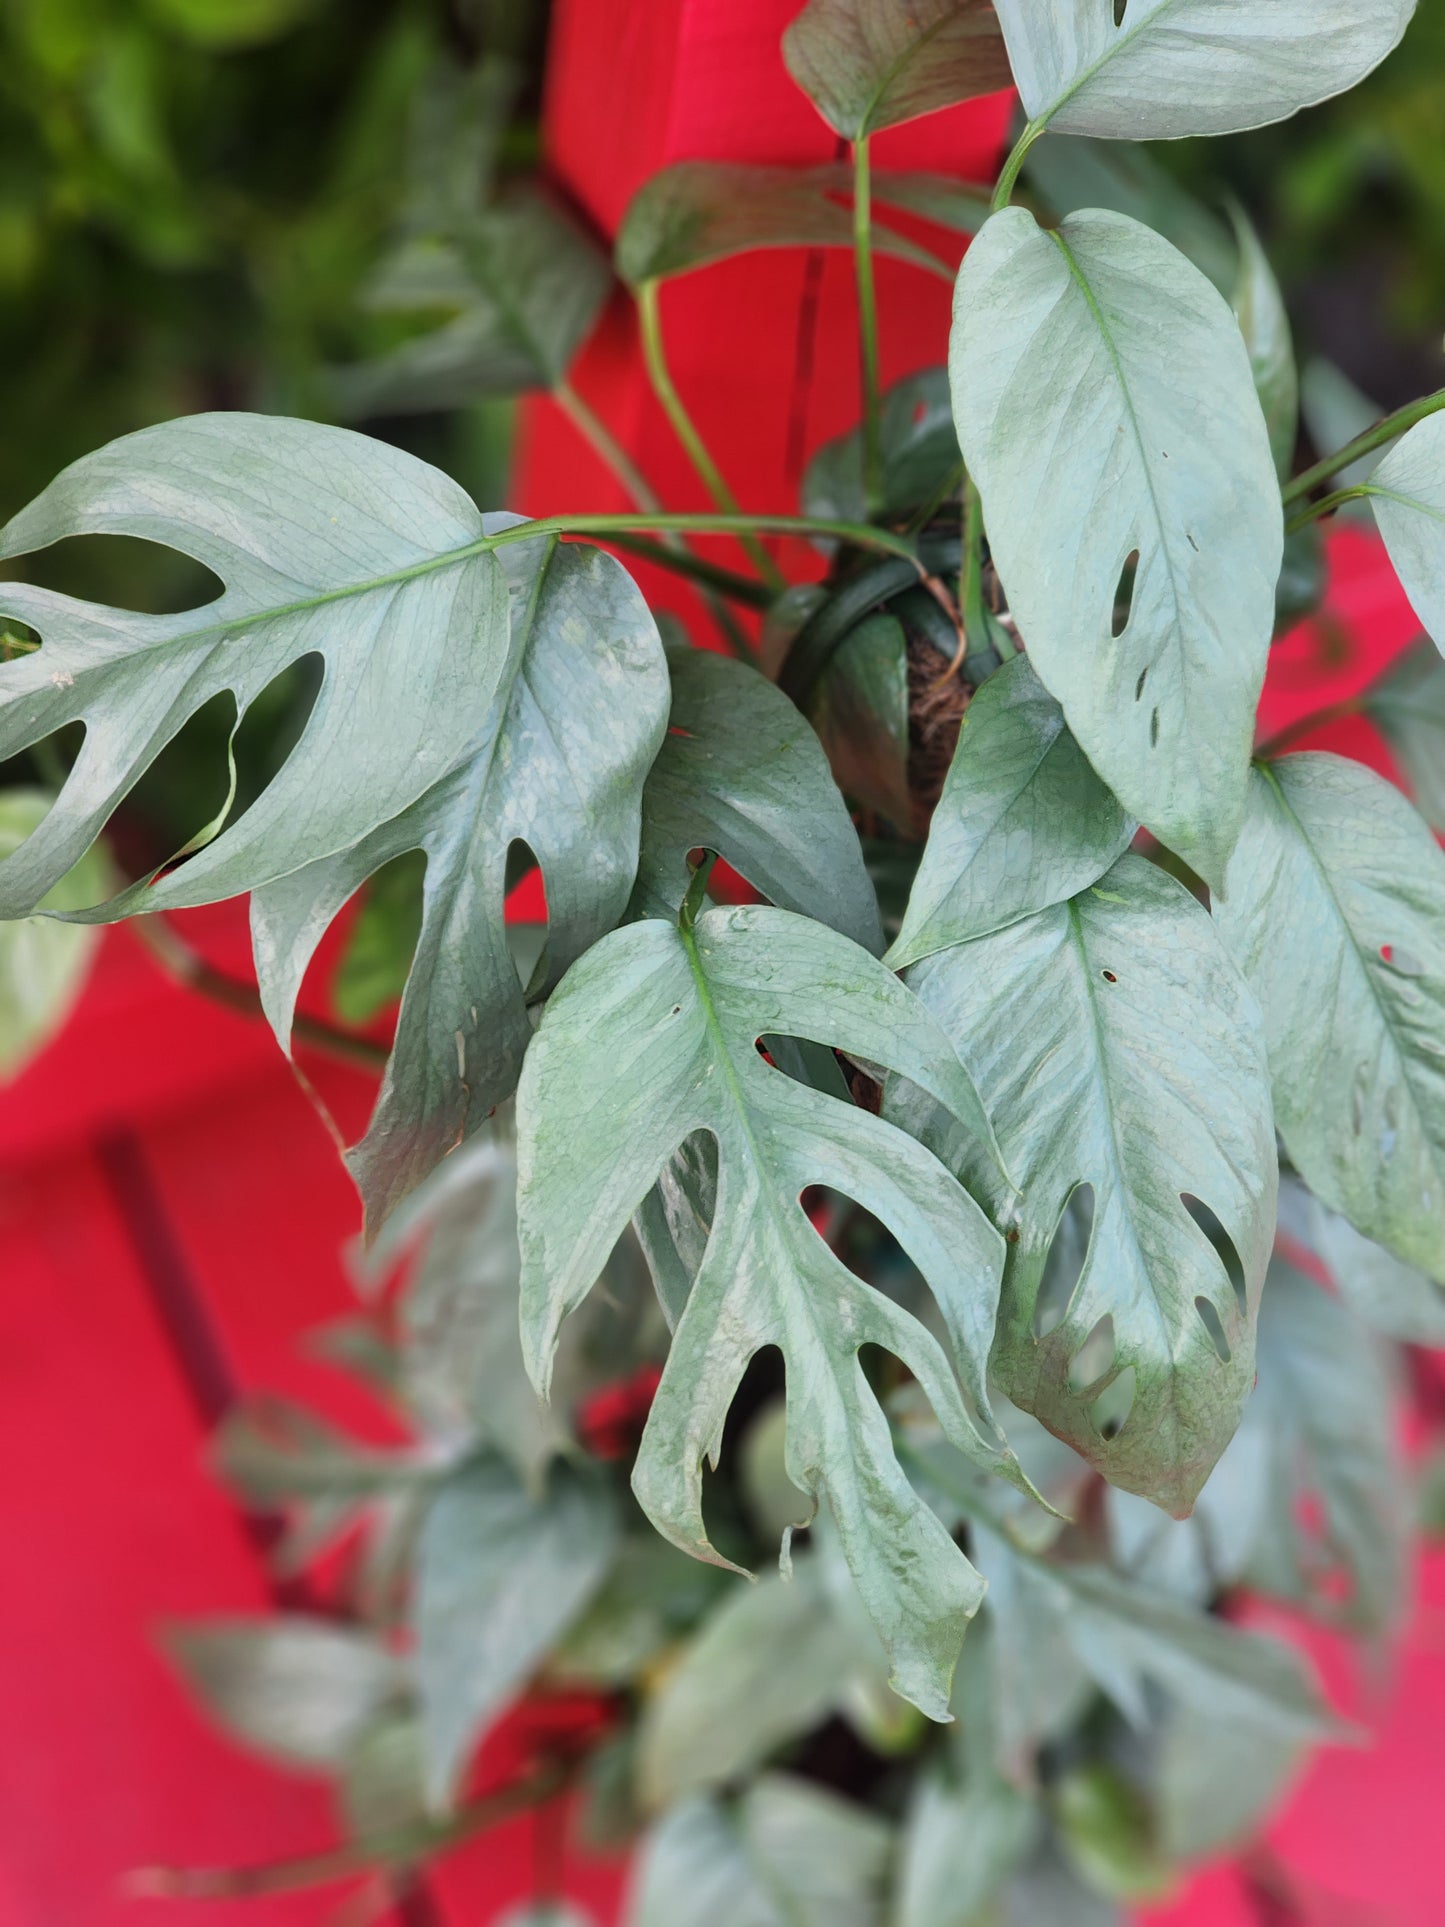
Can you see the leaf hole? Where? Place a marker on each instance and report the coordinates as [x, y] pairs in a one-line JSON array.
[[1139, 686], [1403, 962], [1064, 1266], [1124, 593], [1214, 1325], [1110, 1410], [125, 572], [381, 942], [1108, 976], [526, 925], [1121, 7], [1154, 730], [676, 729], [1094, 1358], [1188, 537], [1224, 1247]]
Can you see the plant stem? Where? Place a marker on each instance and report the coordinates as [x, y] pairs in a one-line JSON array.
[[867, 325], [650, 320], [401, 1844], [600, 438], [1366, 444], [1008, 179], [745, 589], [862, 534], [1327, 504], [191, 970], [1303, 726], [696, 890]]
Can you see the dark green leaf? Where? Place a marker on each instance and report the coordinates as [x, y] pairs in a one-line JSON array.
[[859, 707], [918, 448], [1023, 822], [556, 763], [1116, 1048], [1334, 906], [867, 64], [741, 772], [652, 1038]]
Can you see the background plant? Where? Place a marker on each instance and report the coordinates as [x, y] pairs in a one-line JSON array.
[[1061, 1116]]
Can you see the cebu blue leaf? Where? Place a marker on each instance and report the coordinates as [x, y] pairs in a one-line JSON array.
[[1117, 1048], [1407, 493], [1334, 907], [556, 762], [741, 772], [1264, 322], [328, 544], [501, 1572], [1160, 69], [652, 1038], [867, 64], [1023, 821], [1107, 410]]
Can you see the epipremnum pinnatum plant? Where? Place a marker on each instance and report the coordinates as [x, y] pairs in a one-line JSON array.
[[964, 1185]]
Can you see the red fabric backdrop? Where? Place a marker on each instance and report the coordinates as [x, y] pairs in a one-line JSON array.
[[167, 1190]]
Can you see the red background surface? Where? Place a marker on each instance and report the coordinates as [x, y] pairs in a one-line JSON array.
[[161, 1135]]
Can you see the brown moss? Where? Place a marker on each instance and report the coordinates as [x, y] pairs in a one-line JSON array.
[[937, 699]]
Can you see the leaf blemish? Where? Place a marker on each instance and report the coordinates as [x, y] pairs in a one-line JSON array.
[[1108, 976]]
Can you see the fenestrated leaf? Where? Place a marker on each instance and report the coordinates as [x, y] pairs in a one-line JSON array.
[[774, 1660], [298, 1689], [1166, 68], [1336, 1535], [1106, 409], [741, 772], [788, 1855], [959, 1844], [1116, 1047], [697, 212], [1408, 707], [651, 1038], [1023, 821], [524, 284], [557, 763], [1071, 172], [1132, 1639], [1407, 493], [328, 544], [867, 64], [499, 1575], [1263, 321], [918, 450], [43, 962], [1334, 906], [1389, 1296]]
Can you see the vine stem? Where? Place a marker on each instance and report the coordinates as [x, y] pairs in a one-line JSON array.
[[1327, 504], [603, 443], [191, 970], [658, 373], [1365, 444], [862, 535], [867, 324], [745, 589], [1013, 166], [355, 1857]]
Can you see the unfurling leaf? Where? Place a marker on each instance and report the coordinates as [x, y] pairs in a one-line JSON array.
[[556, 763], [328, 544], [1023, 821], [1407, 493], [1107, 411], [42, 961], [1160, 69], [741, 772], [1334, 906], [867, 64], [653, 1037], [500, 1574], [298, 1689], [1116, 1048], [789, 1854]]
